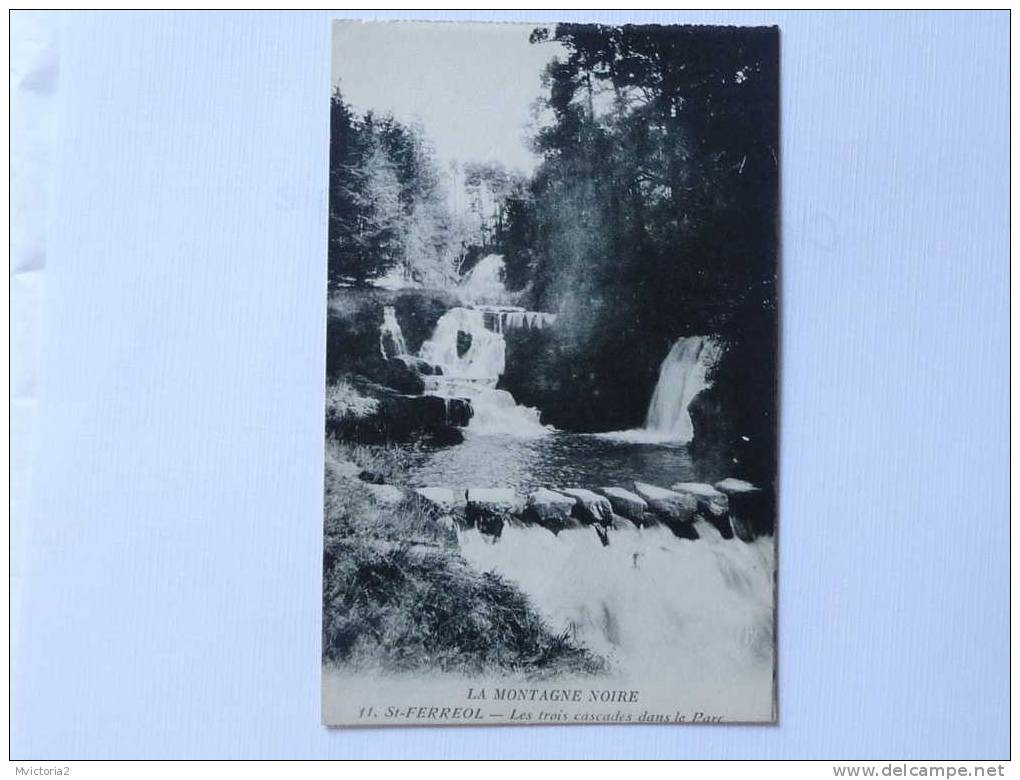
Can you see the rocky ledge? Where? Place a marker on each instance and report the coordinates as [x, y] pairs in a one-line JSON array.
[[400, 416], [734, 508]]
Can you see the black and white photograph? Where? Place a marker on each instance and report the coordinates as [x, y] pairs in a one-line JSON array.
[[551, 367]]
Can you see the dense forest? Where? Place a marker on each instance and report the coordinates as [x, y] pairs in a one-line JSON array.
[[389, 210], [651, 215]]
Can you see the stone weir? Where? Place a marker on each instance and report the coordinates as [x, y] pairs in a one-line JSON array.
[[733, 507]]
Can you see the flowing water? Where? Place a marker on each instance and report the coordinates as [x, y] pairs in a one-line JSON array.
[[472, 358], [391, 337], [682, 375], [706, 606], [484, 282]]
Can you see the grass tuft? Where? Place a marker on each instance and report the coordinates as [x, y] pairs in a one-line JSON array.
[[397, 595], [343, 401]]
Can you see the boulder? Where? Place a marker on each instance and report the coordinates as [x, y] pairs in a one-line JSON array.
[[407, 413], [489, 509], [734, 485], [704, 493], [626, 504], [441, 501], [419, 365], [752, 508], [675, 510], [668, 504], [458, 412], [504, 499], [549, 509], [396, 373], [463, 343], [713, 505], [590, 507], [404, 415], [401, 417]]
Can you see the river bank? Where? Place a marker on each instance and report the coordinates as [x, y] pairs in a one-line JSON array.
[[398, 594]]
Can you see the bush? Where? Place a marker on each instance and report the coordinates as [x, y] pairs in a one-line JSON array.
[[404, 609], [343, 401], [389, 461]]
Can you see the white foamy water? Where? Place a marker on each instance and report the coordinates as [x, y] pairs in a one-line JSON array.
[[682, 375], [696, 612], [519, 318], [473, 372], [484, 282], [485, 358], [391, 337]]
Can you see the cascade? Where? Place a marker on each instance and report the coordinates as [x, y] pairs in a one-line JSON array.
[[708, 617], [681, 377], [391, 338], [484, 282], [473, 357]]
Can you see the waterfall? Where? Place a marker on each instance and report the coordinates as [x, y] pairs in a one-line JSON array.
[[484, 282], [472, 358], [681, 377], [483, 360], [706, 607], [519, 318], [391, 338]]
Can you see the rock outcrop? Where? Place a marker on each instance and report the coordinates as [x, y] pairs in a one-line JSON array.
[[590, 507], [441, 501], [402, 416], [675, 510], [712, 505], [626, 504], [752, 508], [489, 509], [463, 343], [549, 509]]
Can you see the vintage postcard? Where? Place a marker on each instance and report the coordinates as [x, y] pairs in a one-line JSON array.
[[551, 372]]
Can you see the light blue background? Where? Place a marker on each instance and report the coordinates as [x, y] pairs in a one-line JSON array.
[[173, 563]]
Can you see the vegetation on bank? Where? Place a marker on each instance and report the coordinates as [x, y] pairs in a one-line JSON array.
[[397, 595], [652, 215], [345, 402], [355, 316]]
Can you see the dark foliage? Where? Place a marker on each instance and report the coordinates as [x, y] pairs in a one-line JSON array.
[[653, 216], [386, 210]]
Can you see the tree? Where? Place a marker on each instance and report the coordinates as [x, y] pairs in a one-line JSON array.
[[386, 210], [653, 213]]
